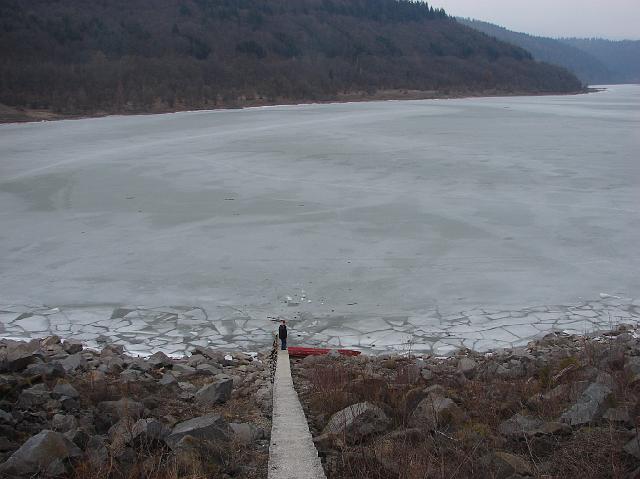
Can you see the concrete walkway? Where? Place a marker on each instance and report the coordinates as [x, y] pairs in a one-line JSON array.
[[292, 454]]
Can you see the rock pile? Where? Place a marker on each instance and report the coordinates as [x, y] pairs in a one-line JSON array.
[[564, 406], [67, 411]]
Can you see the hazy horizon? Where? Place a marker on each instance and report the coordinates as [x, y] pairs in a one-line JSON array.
[[618, 20]]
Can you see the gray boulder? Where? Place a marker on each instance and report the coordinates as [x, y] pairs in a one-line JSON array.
[[120, 433], [50, 341], [211, 427], [17, 356], [523, 427], [183, 371], [236, 379], [139, 364], [74, 362], [112, 350], [498, 369], [146, 431], [78, 436], [434, 411], [522, 353], [35, 396], [519, 426], [113, 364], [45, 452], [589, 406], [246, 432], [65, 389], [72, 346], [264, 397], [159, 360], [187, 386], [131, 376], [69, 404], [46, 370], [358, 421], [195, 360], [215, 393], [64, 422], [208, 369], [140, 433], [211, 354], [513, 368], [412, 398], [167, 379]]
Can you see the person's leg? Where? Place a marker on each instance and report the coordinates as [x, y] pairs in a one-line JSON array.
[[284, 344], [282, 341]]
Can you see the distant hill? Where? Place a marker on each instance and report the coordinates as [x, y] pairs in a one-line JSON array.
[[594, 61], [75, 56], [622, 58]]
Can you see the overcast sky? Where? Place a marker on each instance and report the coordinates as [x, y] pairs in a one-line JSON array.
[[615, 19]]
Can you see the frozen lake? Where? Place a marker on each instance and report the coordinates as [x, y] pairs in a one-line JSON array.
[[476, 222]]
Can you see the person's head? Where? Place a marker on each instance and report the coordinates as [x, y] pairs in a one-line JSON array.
[[283, 321]]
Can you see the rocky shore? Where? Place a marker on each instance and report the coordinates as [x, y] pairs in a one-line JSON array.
[[71, 412], [10, 114], [564, 406]]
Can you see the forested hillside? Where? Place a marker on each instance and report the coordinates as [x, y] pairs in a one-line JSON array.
[[594, 61], [75, 56], [622, 58]]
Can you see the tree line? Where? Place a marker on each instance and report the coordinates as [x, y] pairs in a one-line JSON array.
[[73, 56]]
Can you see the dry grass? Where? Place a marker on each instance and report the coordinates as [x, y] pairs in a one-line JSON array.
[[592, 452], [465, 448], [151, 461]]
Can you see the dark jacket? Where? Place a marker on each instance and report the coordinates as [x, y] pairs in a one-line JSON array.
[[282, 332]]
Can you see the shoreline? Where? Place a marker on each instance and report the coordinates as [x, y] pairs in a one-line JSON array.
[[14, 115], [173, 330], [260, 350]]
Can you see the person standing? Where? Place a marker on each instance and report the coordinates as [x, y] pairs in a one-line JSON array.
[[282, 334]]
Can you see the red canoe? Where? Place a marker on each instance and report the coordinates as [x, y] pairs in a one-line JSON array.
[[301, 352]]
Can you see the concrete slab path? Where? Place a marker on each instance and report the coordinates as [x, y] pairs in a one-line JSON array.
[[292, 454]]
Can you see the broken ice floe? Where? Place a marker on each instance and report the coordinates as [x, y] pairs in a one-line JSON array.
[[178, 329]]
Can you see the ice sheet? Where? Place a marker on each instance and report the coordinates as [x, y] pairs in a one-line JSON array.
[[384, 215]]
